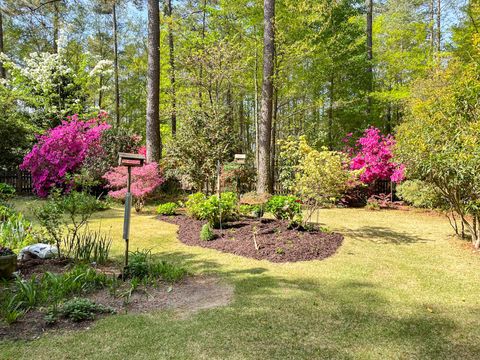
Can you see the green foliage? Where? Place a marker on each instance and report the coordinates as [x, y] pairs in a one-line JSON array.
[[141, 266], [419, 194], [284, 207], [168, 209], [292, 154], [6, 191], [62, 216], [213, 209], [79, 309], [322, 179], [90, 246], [206, 233], [251, 210], [15, 231]]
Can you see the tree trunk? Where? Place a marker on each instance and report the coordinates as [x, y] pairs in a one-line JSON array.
[[171, 47], [330, 113], [370, 54], [153, 139], [439, 25], [255, 100], [241, 124], [432, 26], [274, 140], [2, 69], [56, 20], [204, 25], [115, 64], [265, 125]]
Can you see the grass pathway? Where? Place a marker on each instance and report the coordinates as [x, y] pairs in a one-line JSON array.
[[399, 288]]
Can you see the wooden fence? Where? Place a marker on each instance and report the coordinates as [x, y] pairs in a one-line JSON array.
[[20, 180]]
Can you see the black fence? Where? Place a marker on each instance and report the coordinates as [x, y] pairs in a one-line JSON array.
[[20, 180]]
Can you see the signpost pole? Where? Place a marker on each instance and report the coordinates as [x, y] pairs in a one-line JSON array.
[[126, 219]]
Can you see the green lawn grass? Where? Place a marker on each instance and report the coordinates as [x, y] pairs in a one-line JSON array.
[[399, 288]]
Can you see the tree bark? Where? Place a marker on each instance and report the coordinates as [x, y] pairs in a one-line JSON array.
[[171, 47], [370, 54], [56, 20], [439, 25], [153, 139], [330, 113], [265, 125], [115, 63], [274, 140], [2, 69]]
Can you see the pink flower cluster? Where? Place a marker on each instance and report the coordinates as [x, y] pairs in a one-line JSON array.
[[373, 154], [144, 181], [61, 151]]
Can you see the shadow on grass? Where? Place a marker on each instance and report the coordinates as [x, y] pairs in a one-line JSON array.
[[278, 317], [383, 235]]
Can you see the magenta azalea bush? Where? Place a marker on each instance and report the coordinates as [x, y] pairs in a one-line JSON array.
[[61, 151], [373, 154], [145, 180]]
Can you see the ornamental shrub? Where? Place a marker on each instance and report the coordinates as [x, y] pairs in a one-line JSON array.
[[213, 209], [61, 151], [419, 194], [284, 207], [144, 181], [168, 209], [373, 154], [6, 191], [207, 234]]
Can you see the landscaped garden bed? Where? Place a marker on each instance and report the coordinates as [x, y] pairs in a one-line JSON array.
[[275, 239], [57, 295]]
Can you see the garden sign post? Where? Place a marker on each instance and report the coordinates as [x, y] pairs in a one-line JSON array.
[[128, 160]]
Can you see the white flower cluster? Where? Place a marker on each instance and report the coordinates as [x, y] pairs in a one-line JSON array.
[[104, 67]]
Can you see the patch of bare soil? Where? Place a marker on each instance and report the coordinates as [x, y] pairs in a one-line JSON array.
[[275, 241], [186, 297]]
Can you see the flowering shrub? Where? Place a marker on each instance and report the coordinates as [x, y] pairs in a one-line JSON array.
[[60, 152], [145, 180], [374, 156]]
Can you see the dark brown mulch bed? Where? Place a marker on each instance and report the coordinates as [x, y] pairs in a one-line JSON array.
[[276, 241]]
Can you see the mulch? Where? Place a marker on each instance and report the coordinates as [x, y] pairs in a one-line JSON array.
[[276, 241]]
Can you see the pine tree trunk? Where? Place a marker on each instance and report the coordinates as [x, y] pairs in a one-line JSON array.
[[330, 112], [171, 47], [153, 139], [439, 25], [56, 20], [2, 69], [370, 54], [265, 124], [115, 64]]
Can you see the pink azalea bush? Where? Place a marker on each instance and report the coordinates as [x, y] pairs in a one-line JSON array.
[[145, 180], [373, 153], [61, 151]]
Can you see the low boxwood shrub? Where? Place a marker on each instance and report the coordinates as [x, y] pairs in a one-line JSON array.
[[284, 207], [77, 309], [167, 209]]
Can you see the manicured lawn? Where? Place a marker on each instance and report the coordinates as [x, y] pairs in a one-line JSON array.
[[400, 287]]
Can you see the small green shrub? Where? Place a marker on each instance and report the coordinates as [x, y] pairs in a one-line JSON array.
[[419, 194], [6, 191], [6, 211], [167, 209], [194, 204], [284, 207], [80, 309], [16, 232], [214, 209], [207, 234], [141, 266]]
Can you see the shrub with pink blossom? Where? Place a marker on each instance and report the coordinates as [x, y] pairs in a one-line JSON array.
[[61, 151], [145, 180], [373, 153]]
